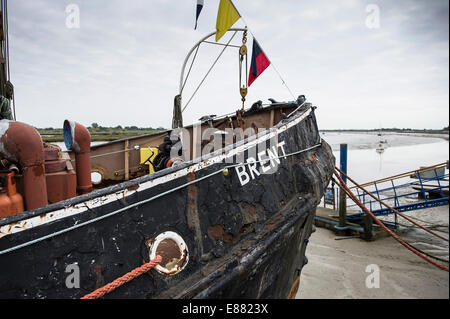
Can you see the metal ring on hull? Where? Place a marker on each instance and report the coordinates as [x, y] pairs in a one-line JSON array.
[[174, 248]]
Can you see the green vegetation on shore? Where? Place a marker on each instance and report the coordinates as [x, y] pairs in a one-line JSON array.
[[398, 130], [99, 133]]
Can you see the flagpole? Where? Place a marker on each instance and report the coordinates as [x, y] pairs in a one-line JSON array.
[[273, 65]]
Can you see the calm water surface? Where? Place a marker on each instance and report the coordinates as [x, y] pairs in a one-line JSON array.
[[402, 154]]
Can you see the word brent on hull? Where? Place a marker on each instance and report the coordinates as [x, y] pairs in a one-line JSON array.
[[268, 160]]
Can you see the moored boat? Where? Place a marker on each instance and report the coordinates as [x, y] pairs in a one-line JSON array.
[[228, 204]]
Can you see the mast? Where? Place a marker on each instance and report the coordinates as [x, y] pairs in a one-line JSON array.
[[177, 120], [4, 59], [6, 87]]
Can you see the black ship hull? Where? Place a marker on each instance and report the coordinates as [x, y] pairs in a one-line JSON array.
[[245, 233]]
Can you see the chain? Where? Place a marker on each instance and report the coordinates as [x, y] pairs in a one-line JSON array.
[[243, 53]]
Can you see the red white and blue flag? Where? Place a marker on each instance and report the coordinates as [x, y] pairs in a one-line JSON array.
[[258, 64], [199, 9]]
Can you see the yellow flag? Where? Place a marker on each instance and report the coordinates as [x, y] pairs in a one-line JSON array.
[[226, 17]]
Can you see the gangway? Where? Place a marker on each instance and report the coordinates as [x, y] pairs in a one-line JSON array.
[[429, 188], [409, 246]]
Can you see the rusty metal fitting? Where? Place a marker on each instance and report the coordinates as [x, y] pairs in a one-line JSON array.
[[174, 161], [78, 139], [22, 144], [173, 250]]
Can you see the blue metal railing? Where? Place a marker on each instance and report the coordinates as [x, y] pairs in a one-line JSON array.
[[399, 196]]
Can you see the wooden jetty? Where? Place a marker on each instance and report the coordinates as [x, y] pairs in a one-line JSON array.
[[329, 218]]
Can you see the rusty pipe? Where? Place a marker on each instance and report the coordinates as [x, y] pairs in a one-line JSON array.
[[78, 139], [21, 144]]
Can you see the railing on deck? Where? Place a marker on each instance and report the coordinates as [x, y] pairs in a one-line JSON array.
[[403, 194]]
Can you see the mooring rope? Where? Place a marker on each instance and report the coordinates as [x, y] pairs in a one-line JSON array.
[[106, 289], [406, 174], [390, 232], [428, 254]]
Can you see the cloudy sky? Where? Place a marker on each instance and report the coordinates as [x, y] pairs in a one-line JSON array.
[[364, 64]]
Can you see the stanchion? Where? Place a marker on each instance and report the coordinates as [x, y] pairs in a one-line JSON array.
[[342, 196]]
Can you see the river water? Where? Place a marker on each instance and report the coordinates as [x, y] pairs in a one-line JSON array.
[[337, 268], [402, 153]]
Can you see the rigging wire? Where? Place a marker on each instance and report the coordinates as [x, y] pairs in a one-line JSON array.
[[7, 38], [190, 68], [65, 230], [415, 247], [345, 188], [3, 43], [210, 69], [271, 62], [222, 44], [5, 50], [390, 208], [400, 240], [226, 45]]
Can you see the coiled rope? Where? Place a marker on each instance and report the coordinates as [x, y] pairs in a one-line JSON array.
[[344, 187], [106, 289]]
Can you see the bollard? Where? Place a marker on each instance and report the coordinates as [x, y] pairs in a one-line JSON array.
[[368, 227], [342, 196]]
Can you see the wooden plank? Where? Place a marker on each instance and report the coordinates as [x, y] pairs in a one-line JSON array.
[[127, 160], [272, 118], [196, 145]]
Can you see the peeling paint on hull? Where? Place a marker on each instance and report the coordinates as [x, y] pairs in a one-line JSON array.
[[244, 241]]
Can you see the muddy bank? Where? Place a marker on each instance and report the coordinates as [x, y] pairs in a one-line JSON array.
[[371, 140], [337, 268]]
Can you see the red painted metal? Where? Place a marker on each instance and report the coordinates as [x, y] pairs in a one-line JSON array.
[[60, 175], [54, 166], [22, 144], [5, 204], [61, 185], [80, 143], [9, 185]]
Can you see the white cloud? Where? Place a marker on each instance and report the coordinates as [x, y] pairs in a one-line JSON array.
[[122, 66]]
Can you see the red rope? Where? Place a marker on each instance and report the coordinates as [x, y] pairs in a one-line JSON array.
[[400, 240], [100, 292]]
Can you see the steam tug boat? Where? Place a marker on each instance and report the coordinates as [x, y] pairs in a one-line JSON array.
[[231, 221]]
